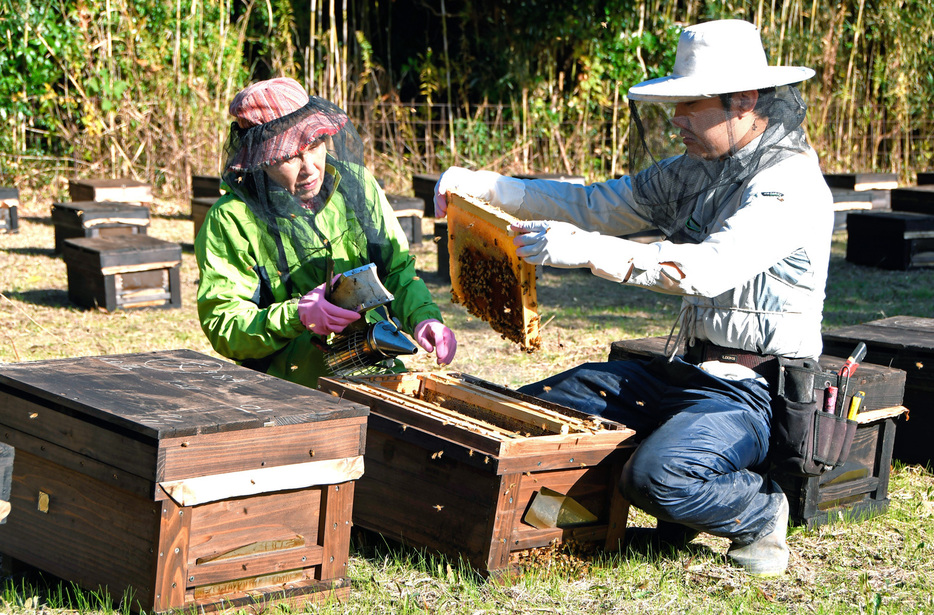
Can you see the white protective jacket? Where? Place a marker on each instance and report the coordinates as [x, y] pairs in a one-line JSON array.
[[755, 283]]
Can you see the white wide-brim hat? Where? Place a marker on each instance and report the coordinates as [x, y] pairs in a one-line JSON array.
[[718, 57]]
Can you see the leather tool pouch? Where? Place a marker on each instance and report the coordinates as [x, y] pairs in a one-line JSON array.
[[806, 440]]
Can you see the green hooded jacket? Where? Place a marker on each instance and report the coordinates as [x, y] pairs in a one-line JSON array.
[[244, 306]]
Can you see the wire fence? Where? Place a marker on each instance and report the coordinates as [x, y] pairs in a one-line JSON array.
[[418, 138]]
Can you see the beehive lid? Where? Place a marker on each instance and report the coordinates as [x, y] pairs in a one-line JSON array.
[[96, 213], [168, 394], [487, 277]]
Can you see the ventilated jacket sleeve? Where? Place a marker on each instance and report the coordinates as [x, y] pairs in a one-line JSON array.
[[756, 279], [234, 283]]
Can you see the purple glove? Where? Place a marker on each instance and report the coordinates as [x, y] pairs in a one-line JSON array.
[[321, 316], [432, 335]]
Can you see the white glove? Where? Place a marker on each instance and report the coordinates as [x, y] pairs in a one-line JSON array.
[[558, 244], [563, 245], [498, 190]]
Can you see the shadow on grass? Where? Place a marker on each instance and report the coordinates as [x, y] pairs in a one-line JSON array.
[[46, 297], [46, 220], [383, 551], [571, 559], [33, 590], [644, 543], [31, 251]]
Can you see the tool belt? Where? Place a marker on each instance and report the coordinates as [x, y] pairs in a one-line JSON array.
[[806, 439], [765, 365]]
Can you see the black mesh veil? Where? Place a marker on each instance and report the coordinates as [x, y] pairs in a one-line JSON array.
[[683, 194], [292, 222]]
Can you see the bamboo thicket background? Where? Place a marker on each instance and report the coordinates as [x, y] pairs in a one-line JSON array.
[[139, 88]]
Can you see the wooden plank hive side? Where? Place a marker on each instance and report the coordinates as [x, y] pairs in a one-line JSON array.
[[123, 271], [487, 277], [452, 464], [905, 343], [179, 481]]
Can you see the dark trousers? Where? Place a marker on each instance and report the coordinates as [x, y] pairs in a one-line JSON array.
[[701, 439]]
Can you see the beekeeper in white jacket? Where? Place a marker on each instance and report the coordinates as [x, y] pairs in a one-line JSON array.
[[747, 219]]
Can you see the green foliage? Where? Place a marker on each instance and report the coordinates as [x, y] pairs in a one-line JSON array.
[[33, 95], [140, 88], [117, 86]]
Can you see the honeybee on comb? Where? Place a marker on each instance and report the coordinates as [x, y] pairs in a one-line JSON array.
[[487, 277]]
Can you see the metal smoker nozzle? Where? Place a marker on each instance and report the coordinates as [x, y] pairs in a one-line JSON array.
[[384, 338]]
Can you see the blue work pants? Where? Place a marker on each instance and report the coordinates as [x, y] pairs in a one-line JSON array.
[[700, 437]]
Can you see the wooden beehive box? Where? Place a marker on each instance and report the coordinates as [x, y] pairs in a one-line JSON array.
[[453, 463], [205, 190], [124, 271], [487, 277], [862, 181], [847, 201], [121, 190], [199, 209], [181, 480], [905, 343], [97, 219], [423, 187], [409, 211], [859, 487], [9, 203], [890, 239], [918, 199], [205, 186]]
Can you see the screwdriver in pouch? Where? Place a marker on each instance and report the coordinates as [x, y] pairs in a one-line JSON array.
[[848, 369]]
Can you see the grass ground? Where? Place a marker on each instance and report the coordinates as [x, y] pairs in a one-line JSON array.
[[880, 565]]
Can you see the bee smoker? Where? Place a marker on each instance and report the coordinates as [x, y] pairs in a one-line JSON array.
[[363, 347]]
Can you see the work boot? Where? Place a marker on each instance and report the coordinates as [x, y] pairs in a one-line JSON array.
[[767, 556], [671, 534]]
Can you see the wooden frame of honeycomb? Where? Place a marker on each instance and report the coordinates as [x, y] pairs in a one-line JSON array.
[[487, 277]]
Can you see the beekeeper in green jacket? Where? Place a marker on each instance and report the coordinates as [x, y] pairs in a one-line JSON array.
[[300, 207]]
